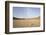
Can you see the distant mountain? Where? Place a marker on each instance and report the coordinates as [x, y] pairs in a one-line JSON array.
[[14, 17], [26, 18], [36, 17]]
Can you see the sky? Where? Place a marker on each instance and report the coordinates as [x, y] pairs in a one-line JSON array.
[[26, 12]]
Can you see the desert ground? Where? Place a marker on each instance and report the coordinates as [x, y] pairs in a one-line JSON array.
[[33, 22]]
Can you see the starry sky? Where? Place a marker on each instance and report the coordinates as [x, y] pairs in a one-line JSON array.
[[26, 12]]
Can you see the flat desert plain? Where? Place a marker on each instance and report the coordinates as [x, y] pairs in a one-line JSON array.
[[32, 22]]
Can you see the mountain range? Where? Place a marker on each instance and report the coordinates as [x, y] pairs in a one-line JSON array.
[[26, 18]]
